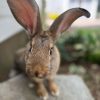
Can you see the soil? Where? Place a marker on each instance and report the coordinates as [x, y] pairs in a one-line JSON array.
[[89, 72]]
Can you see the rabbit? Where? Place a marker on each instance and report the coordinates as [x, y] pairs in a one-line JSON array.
[[41, 58]]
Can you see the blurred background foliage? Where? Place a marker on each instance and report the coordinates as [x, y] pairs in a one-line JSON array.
[[80, 45]]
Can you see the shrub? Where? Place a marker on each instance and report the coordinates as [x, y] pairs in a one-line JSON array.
[[83, 44]]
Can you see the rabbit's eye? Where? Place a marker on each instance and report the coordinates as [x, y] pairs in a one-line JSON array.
[[30, 49], [50, 51]]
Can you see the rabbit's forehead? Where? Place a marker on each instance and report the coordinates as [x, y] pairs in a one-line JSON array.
[[44, 41]]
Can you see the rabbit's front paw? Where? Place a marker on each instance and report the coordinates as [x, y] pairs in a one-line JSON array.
[[42, 93], [54, 89]]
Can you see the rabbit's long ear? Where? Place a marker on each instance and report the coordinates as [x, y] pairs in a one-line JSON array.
[[64, 21], [26, 12]]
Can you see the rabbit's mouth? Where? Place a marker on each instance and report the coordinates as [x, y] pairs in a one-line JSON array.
[[40, 77], [38, 71]]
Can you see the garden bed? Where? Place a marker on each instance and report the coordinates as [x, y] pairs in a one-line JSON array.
[[80, 53]]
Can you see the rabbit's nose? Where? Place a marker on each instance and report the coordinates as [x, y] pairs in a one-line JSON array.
[[40, 75]]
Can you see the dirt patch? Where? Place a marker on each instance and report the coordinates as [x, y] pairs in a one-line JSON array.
[[89, 72]]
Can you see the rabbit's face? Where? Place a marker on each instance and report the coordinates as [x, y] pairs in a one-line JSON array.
[[39, 54]]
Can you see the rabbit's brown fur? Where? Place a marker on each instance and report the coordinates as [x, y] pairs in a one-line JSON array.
[[40, 59]]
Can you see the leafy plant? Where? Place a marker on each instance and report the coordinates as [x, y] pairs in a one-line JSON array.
[[83, 44]]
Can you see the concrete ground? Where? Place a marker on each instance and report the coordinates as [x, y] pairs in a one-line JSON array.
[[71, 88]]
